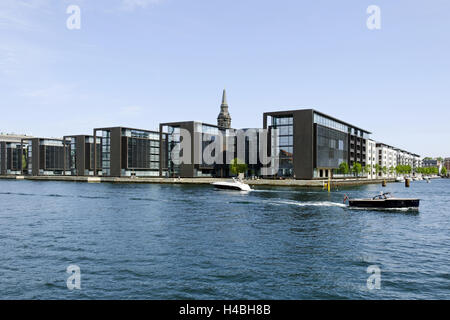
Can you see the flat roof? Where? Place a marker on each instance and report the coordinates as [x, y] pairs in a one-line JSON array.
[[183, 122], [320, 113], [52, 139], [120, 127]]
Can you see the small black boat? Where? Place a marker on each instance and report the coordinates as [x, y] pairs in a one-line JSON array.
[[384, 201]]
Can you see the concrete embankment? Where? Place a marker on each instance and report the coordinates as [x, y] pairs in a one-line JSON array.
[[260, 182]]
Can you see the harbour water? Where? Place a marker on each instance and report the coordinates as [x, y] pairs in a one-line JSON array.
[[146, 241]]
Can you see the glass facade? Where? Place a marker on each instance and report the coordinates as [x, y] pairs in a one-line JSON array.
[[106, 152], [143, 154], [10, 158], [339, 126], [283, 146], [138, 152], [29, 158], [173, 141], [73, 156], [209, 135], [331, 147]]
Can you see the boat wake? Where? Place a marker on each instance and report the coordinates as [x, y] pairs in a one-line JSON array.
[[312, 203]]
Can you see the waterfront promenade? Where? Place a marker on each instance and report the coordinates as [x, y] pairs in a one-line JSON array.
[[261, 182]]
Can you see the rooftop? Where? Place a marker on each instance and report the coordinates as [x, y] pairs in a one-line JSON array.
[[319, 113]]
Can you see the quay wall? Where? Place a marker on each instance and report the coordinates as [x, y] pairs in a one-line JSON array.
[[259, 182]]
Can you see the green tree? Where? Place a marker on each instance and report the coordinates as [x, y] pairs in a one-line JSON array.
[[385, 169], [377, 169], [343, 168], [24, 162], [237, 166], [357, 168], [368, 169], [391, 170], [444, 171]]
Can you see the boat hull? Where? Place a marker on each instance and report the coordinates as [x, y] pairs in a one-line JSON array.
[[232, 186], [385, 203], [227, 187]]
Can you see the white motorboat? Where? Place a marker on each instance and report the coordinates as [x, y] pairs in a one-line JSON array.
[[400, 179], [236, 184]]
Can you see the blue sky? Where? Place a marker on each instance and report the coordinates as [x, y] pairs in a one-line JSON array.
[[141, 62]]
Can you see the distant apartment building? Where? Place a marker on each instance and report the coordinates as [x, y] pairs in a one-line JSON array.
[[11, 137], [81, 155], [431, 163], [371, 158], [387, 160], [45, 156], [312, 144], [427, 163], [11, 154], [126, 152], [447, 164]]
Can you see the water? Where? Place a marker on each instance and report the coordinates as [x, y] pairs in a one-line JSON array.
[[136, 241]]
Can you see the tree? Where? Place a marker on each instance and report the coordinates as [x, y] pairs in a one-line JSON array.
[[384, 170], [237, 166], [391, 170], [24, 162], [444, 171], [377, 169], [368, 169], [357, 168], [343, 168]]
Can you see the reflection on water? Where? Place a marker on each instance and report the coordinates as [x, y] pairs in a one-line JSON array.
[[195, 242]]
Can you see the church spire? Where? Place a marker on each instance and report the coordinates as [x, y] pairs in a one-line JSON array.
[[224, 98], [224, 118]]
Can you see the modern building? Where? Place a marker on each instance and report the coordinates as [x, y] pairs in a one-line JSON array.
[[11, 155], [312, 144], [427, 163], [12, 137], [447, 164], [127, 152], [45, 157], [80, 150], [201, 135], [371, 158], [431, 163], [387, 160]]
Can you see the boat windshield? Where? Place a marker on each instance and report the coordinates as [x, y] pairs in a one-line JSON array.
[[382, 196]]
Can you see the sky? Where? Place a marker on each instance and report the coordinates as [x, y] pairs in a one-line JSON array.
[[138, 63]]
